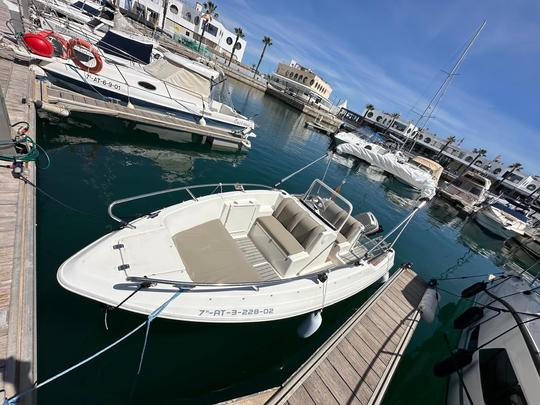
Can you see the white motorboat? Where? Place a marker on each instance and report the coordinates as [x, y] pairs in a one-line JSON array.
[[497, 360], [238, 256], [415, 174], [467, 192], [173, 85], [502, 220]]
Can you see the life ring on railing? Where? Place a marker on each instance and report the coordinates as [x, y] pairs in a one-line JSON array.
[[85, 44], [51, 35]]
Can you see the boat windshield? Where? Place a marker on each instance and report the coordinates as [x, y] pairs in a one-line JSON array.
[[421, 166], [509, 210], [330, 206], [468, 186]]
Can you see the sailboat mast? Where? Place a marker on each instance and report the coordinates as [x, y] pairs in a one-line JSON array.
[[424, 118]]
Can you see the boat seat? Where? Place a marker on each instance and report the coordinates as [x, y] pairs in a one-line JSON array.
[[279, 234], [333, 213], [291, 230], [211, 255]]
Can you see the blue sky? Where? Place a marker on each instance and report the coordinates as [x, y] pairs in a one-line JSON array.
[[390, 54]]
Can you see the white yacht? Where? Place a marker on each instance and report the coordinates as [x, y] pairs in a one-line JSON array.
[[497, 360], [502, 219], [238, 256], [467, 192], [415, 174], [172, 84]]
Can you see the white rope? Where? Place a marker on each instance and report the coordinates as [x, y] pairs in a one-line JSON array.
[[151, 317]]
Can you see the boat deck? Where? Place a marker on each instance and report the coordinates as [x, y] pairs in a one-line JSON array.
[[355, 365], [256, 259]]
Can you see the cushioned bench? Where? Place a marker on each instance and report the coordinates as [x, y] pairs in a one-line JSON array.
[[290, 227], [211, 255], [351, 229]]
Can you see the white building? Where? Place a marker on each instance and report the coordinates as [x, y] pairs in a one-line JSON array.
[[183, 22]]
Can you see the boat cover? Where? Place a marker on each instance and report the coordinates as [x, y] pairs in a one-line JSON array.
[[179, 76], [126, 46], [393, 163]]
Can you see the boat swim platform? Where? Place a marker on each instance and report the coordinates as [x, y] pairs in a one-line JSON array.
[[18, 364], [63, 102], [356, 364]]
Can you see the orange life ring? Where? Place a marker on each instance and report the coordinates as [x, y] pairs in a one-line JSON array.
[[85, 44], [54, 35]]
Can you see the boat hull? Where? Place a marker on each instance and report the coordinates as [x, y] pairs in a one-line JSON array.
[[488, 219]]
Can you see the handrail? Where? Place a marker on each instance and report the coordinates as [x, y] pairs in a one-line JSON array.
[[244, 284], [187, 189]]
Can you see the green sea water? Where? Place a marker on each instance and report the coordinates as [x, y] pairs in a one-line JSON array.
[[206, 363]]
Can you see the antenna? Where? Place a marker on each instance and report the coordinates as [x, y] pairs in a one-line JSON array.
[[424, 118]]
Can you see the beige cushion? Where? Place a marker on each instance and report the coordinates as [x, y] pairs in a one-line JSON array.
[[307, 231], [334, 214], [340, 238], [351, 229], [281, 236], [211, 255]]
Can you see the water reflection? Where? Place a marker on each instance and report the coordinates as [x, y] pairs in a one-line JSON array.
[[443, 212], [474, 236], [514, 252]]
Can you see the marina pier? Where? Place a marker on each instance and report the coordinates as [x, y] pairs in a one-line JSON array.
[[356, 364], [18, 334]]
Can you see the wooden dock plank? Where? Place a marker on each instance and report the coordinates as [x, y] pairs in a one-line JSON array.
[[355, 365]]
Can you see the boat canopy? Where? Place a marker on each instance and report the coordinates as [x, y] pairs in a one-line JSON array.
[[511, 211], [180, 76], [394, 164], [126, 46], [435, 168]]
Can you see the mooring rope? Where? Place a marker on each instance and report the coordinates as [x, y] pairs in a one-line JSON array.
[[151, 317]]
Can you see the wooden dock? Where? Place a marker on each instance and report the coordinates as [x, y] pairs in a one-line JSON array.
[[355, 365], [59, 101], [17, 244]]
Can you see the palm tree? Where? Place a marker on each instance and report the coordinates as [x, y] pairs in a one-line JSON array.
[[511, 169], [267, 41], [239, 34], [479, 153], [394, 117], [450, 140], [209, 13], [369, 108]]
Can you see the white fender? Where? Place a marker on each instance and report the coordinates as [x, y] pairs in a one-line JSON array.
[[428, 304], [310, 324]]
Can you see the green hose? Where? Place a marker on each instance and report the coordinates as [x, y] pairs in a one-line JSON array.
[[32, 153]]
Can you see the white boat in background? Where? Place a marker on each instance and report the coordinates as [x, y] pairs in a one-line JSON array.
[[239, 256], [467, 192], [497, 357], [502, 219], [416, 173]]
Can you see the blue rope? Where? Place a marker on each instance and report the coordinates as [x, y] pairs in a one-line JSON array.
[[151, 317]]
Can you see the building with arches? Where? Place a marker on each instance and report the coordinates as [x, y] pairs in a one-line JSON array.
[[303, 80]]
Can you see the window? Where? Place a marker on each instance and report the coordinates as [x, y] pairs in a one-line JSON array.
[[497, 170], [211, 29], [173, 9], [238, 46], [531, 187], [188, 16], [370, 114], [311, 82], [146, 85], [499, 382], [197, 20], [305, 80], [468, 158], [291, 75], [379, 118], [295, 76], [478, 163], [427, 140]]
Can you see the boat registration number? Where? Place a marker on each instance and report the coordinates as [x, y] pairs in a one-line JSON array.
[[236, 312], [104, 82]]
